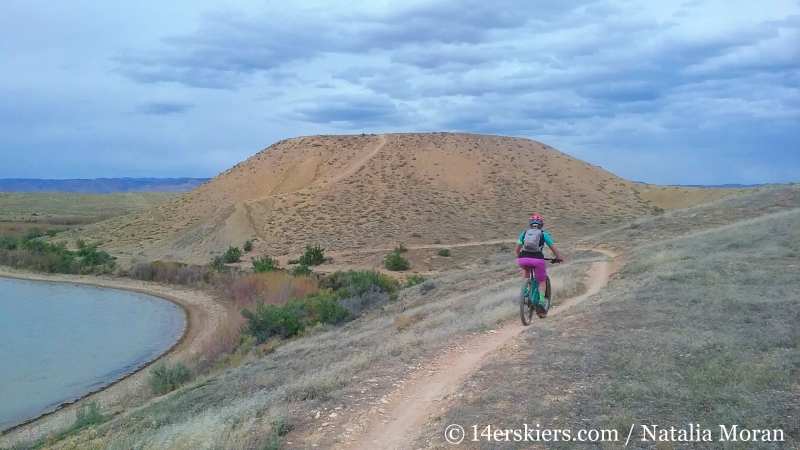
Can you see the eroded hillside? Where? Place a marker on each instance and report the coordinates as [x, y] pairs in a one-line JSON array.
[[357, 191]]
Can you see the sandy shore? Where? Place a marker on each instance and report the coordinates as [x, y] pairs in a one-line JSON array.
[[202, 313]]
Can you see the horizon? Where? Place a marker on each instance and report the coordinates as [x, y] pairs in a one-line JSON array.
[[697, 92]]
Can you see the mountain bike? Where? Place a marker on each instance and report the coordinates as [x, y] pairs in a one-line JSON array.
[[529, 297]]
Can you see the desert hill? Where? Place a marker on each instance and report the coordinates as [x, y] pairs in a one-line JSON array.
[[358, 191]]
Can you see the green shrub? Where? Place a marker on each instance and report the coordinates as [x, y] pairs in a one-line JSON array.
[[268, 321], [88, 415], [413, 280], [164, 379], [217, 263], [358, 282], [264, 264], [248, 245], [8, 243], [395, 261], [233, 255], [300, 270], [312, 256], [51, 233], [444, 252]]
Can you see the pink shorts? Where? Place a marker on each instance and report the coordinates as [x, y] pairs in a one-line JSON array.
[[539, 267]]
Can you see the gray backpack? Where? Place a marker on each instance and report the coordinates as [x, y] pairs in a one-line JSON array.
[[533, 241]]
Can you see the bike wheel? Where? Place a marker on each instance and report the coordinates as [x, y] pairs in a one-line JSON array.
[[525, 308], [542, 312]]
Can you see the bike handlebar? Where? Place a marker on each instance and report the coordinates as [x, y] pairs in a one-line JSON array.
[[555, 260]]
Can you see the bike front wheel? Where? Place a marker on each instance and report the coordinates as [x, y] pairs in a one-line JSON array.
[[525, 304]]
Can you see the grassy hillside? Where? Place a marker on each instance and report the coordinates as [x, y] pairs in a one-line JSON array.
[[354, 192], [700, 325]]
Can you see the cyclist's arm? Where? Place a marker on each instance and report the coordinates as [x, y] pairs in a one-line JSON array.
[[554, 250], [549, 241], [519, 244]]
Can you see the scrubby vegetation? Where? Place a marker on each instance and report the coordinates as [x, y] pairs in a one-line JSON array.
[[264, 264], [312, 256], [444, 252], [396, 262], [248, 246], [414, 279], [32, 252], [164, 379]]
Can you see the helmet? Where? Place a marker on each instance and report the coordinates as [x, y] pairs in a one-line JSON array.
[[536, 220]]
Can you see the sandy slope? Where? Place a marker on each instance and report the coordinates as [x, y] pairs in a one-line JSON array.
[[203, 313], [413, 404]]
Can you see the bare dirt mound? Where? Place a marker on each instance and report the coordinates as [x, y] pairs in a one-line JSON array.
[[350, 192], [417, 400]]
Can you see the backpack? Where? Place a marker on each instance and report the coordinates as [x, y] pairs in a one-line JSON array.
[[533, 241]]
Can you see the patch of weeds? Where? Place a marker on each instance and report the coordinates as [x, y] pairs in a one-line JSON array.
[[413, 280], [427, 287], [232, 255], [300, 270], [164, 379], [88, 415], [248, 245], [444, 252], [402, 322], [264, 264]]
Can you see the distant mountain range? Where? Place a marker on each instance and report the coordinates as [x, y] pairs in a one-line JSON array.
[[731, 185], [101, 185]]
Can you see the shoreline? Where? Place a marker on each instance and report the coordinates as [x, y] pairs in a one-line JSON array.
[[201, 313]]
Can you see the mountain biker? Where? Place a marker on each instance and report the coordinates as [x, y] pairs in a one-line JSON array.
[[530, 246]]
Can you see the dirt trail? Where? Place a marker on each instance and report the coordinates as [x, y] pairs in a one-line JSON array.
[[357, 165], [413, 404]]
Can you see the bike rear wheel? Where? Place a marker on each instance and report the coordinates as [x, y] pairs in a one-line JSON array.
[[525, 304], [542, 312]]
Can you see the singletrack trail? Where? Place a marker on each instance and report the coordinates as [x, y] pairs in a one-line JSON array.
[[418, 399], [356, 165]]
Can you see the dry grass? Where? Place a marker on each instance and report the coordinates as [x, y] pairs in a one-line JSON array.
[[701, 329], [326, 368], [58, 208]]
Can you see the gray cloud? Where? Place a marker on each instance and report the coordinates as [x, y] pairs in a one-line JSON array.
[[163, 108]]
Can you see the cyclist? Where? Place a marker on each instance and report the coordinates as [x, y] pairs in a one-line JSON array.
[[530, 255]]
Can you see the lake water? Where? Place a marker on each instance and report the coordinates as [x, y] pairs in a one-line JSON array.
[[60, 341]]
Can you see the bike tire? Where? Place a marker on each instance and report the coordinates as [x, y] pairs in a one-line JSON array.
[[525, 309], [542, 313]]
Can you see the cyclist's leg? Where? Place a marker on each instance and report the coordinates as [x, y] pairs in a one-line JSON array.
[[540, 271]]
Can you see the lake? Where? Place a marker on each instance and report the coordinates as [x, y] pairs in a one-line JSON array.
[[60, 341]]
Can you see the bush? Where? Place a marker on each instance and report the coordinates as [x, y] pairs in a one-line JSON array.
[[88, 415], [300, 270], [233, 255], [427, 287], [312, 256], [395, 261], [164, 379], [218, 263], [413, 280], [268, 321], [444, 252], [358, 282], [264, 264], [367, 301], [248, 245]]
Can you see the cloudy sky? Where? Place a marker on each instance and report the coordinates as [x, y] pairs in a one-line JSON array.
[[701, 91]]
